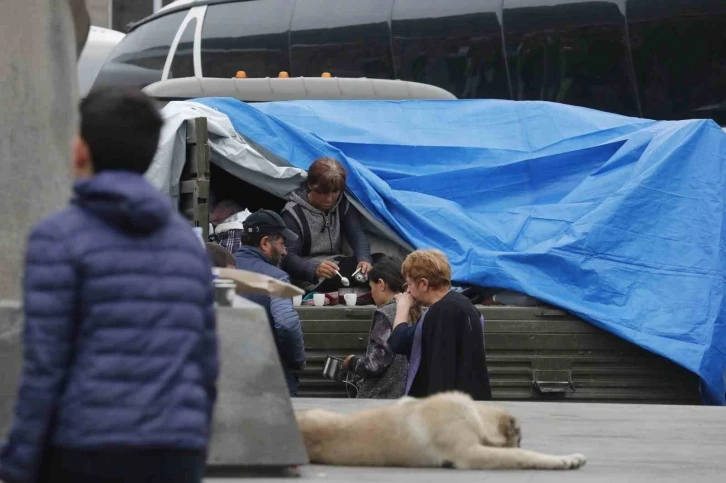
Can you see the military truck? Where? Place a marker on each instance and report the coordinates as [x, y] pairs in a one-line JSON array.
[[535, 352]]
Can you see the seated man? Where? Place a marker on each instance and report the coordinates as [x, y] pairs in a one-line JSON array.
[[263, 246], [226, 223], [223, 210]]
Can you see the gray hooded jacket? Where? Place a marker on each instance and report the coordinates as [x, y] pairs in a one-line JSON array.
[[320, 236]]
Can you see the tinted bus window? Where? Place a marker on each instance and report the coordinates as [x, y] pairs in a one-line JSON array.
[[453, 45], [348, 38], [679, 53], [183, 63], [572, 52], [140, 57], [249, 36]]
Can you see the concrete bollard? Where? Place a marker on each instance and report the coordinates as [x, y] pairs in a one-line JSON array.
[[254, 427]]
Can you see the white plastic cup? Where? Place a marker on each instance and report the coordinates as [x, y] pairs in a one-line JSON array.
[[350, 299], [297, 300], [319, 299]]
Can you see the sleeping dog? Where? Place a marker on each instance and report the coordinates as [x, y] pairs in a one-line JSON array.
[[444, 430]]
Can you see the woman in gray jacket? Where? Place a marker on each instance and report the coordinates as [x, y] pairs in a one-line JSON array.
[[321, 216]]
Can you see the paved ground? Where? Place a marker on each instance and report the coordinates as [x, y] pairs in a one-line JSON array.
[[623, 443]]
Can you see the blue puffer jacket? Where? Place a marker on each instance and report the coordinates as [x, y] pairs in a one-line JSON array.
[[281, 313], [120, 338]]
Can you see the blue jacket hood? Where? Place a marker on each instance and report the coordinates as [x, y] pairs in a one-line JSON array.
[[125, 200], [246, 251]]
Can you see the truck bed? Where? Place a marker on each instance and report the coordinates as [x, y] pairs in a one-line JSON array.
[[533, 353]]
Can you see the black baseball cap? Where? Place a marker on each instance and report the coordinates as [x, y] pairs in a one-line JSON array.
[[266, 221]]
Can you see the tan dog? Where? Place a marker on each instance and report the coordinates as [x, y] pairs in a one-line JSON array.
[[444, 430]]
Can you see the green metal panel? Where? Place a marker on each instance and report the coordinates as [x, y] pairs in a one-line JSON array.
[[534, 353], [194, 183]]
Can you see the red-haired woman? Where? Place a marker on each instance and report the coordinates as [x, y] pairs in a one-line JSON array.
[[322, 218], [445, 347]]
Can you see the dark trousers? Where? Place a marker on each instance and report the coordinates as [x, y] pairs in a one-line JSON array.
[[64, 465]]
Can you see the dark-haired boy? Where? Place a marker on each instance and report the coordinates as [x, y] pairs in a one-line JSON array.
[[120, 349]]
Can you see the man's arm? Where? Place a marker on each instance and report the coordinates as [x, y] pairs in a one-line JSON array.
[[293, 263], [51, 282], [289, 332]]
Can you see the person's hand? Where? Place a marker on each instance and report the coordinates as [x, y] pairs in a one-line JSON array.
[[326, 269], [364, 267], [404, 302], [346, 362]]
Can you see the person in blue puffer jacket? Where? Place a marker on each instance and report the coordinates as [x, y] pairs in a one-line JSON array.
[[120, 346], [262, 250]]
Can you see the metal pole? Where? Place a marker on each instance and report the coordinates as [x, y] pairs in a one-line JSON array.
[[157, 5]]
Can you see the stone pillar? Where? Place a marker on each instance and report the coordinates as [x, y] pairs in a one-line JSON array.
[[11, 359], [38, 121]]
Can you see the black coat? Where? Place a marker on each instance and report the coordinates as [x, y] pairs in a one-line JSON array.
[[452, 350]]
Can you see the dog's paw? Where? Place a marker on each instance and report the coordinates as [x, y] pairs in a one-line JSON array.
[[573, 461]]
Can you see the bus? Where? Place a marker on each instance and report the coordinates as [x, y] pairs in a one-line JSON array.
[[659, 59]]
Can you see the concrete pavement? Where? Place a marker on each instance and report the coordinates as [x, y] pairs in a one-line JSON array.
[[623, 443]]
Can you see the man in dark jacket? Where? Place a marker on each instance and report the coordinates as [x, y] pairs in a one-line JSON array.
[[120, 347], [263, 246]]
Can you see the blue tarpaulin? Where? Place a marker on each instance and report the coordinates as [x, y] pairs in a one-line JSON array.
[[618, 220]]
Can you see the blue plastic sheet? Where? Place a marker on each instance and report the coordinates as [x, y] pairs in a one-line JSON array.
[[618, 220]]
